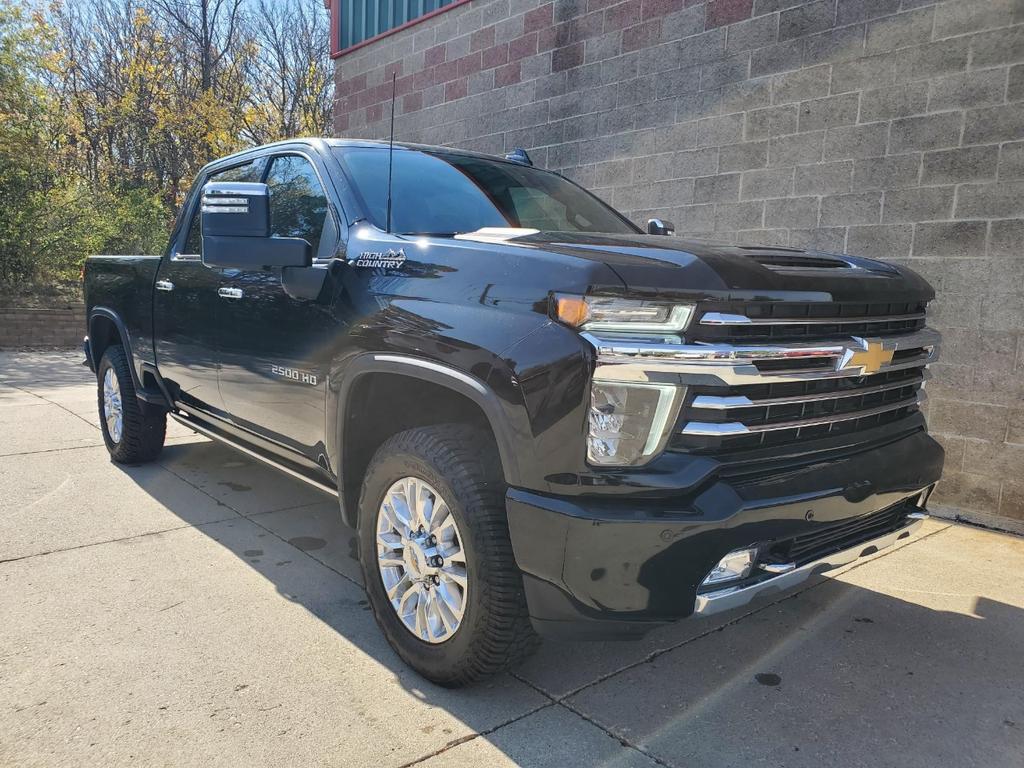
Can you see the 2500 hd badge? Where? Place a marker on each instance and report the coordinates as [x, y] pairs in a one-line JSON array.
[[303, 377], [541, 418]]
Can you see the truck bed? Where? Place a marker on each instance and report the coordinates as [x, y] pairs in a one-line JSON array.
[[124, 286]]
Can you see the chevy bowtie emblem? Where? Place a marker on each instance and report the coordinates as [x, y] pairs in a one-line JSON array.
[[869, 358]]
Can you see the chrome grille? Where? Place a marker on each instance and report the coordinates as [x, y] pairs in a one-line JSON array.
[[758, 415], [828, 397], [742, 395]]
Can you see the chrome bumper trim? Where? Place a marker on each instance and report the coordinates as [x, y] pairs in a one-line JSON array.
[[726, 599]]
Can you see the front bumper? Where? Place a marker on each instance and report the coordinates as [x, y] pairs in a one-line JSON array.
[[607, 567]]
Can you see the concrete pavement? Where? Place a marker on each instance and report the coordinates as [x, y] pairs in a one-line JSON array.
[[207, 610]]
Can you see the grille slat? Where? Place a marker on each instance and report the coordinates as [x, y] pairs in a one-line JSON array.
[[741, 401], [791, 321], [719, 318], [740, 428]]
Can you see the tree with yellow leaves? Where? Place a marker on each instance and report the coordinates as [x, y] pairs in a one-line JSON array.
[[110, 107]]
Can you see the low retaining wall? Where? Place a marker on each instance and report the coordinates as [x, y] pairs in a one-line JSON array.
[[55, 327]]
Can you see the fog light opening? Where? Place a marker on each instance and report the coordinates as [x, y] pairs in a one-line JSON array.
[[736, 565]]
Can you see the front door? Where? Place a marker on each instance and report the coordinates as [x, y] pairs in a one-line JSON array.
[[187, 307], [276, 349]]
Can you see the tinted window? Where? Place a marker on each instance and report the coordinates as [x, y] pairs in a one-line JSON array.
[[444, 193], [298, 205], [248, 172]]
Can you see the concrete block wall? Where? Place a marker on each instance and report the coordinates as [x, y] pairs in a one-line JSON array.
[[58, 327], [889, 128]]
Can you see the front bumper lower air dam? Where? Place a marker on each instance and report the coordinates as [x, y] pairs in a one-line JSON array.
[[725, 599]]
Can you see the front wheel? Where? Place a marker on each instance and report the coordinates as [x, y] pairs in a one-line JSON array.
[[436, 556], [132, 436]]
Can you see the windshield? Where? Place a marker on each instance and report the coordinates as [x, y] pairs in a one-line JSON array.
[[445, 194]]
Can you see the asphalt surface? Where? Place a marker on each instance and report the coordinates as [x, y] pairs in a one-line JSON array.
[[205, 610]]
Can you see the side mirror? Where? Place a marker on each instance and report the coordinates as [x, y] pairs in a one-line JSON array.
[[236, 230], [660, 227]]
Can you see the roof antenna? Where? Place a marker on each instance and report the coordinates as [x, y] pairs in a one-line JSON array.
[[391, 148]]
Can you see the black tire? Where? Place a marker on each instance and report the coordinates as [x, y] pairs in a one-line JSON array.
[[495, 633], [142, 432]]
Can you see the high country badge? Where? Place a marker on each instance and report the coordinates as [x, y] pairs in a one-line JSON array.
[[389, 259]]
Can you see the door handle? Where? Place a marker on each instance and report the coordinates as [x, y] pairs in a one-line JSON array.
[[230, 293], [164, 285]]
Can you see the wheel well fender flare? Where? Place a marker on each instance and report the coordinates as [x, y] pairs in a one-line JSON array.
[[96, 355], [497, 416]]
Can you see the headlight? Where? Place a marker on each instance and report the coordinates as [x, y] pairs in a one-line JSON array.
[[604, 313], [629, 422]]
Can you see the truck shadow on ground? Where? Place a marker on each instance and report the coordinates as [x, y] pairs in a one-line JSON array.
[[833, 671]]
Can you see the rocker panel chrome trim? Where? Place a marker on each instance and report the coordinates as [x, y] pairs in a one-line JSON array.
[[213, 435]]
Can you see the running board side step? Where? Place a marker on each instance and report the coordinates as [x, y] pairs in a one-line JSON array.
[[221, 438]]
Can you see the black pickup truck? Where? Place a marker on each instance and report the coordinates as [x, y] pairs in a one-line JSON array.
[[540, 418]]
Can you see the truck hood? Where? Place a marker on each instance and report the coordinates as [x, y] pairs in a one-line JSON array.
[[660, 264]]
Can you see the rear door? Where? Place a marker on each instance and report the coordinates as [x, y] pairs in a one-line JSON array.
[[187, 307], [276, 348]]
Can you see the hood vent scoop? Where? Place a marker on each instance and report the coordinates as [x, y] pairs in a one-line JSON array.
[[793, 260], [800, 261]]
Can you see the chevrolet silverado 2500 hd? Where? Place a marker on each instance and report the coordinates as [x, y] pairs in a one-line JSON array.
[[540, 418]]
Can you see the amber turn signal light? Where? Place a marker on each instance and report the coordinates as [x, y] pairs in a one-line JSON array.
[[572, 310]]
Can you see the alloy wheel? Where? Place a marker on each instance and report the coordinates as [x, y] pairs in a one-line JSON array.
[[113, 413], [421, 560]]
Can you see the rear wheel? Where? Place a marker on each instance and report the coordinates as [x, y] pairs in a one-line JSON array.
[[132, 436], [436, 557]]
